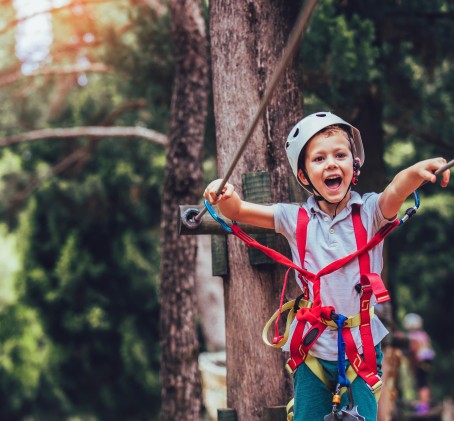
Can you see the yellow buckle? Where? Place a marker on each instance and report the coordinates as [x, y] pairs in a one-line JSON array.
[[352, 321], [289, 369], [376, 387]]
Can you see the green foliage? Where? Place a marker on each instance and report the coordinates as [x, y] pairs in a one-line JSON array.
[[146, 56], [24, 354], [90, 270], [421, 275], [81, 339], [338, 57]]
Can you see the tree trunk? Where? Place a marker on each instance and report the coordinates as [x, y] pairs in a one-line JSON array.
[[181, 388], [247, 39], [369, 120]]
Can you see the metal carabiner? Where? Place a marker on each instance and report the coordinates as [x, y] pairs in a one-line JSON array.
[[350, 412], [411, 211], [347, 413]]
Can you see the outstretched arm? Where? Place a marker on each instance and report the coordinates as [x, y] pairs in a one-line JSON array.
[[407, 181], [231, 206]]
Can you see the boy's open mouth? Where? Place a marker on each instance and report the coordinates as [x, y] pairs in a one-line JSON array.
[[333, 182]]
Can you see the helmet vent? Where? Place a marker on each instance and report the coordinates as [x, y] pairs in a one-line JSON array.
[[296, 132], [321, 115], [287, 145]]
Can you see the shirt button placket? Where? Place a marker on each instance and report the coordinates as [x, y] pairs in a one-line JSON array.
[[332, 238]]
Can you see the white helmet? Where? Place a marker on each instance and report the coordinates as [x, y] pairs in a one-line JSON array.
[[412, 321], [306, 128]]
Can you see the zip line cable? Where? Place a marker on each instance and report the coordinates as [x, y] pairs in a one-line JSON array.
[[292, 44]]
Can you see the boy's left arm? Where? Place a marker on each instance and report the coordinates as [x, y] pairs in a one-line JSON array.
[[407, 181]]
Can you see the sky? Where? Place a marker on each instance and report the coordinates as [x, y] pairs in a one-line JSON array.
[[34, 35]]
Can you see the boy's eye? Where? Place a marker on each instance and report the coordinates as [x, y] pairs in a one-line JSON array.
[[318, 159], [341, 155]]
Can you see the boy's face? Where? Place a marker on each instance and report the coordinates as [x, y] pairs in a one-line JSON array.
[[329, 165]]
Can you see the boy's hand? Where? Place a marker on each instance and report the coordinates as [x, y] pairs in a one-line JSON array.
[[212, 188], [426, 170]]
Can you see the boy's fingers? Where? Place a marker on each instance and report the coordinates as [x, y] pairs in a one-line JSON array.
[[213, 197], [446, 176], [429, 176]]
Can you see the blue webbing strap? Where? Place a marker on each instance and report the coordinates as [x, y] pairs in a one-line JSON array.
[[342, 379], [215, 217]]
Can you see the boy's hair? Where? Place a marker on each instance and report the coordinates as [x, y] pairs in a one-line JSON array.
[[327, 131]]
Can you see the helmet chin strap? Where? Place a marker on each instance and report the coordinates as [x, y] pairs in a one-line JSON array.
[[317, 196]]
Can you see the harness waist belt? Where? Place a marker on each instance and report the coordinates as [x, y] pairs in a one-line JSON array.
[[352, 321]]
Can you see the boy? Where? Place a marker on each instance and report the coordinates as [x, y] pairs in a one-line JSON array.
[[326, 154]]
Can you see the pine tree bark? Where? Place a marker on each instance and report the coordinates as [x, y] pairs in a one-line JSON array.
[[180, 379], [247, 40]]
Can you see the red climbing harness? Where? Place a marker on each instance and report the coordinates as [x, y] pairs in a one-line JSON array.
[[318, 317]]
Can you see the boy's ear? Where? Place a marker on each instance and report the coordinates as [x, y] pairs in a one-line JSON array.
[[302, 178], [356, 171], [357, 164]]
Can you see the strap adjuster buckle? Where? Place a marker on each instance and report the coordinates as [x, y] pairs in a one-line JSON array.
[[377, 386], [290, 367]]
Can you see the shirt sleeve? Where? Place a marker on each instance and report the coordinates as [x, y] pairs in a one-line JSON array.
[[284, 219], [372, 208]]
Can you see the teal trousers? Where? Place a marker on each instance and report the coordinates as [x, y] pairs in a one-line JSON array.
[[313, 397]]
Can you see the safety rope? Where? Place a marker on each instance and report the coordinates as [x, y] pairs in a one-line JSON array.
[[293, 42]]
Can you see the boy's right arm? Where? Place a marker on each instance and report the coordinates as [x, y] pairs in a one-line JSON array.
[[408, 180], [231, 206]]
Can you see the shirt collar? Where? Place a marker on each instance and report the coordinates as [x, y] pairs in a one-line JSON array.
[[355, 199]]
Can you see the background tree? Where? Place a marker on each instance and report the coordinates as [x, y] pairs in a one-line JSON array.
[[259, 32], [86, 300], [183, 178]]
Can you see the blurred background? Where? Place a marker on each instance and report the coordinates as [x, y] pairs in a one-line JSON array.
[[80, 210]]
